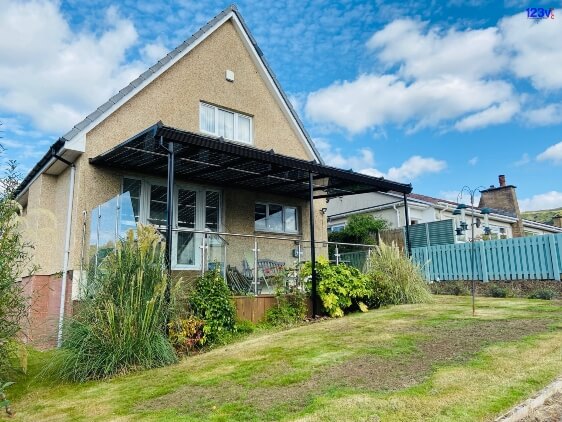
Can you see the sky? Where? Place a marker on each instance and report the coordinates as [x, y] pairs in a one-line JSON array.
[[440, 94]]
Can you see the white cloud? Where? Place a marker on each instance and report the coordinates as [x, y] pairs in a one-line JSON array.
[[543, 201], [469, 54], [473, 161], [494, 115], [427, 76], [364, 162], [373, 100], [334, 157], [153, 52], [54, 75], [552, 153], [414, 167], [532, 48], [448, 76], [548, 115], [525, 159]]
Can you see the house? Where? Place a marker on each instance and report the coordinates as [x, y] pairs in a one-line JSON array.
[[504, 218], [204, 145]]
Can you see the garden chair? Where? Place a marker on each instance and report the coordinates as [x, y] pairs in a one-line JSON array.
[[237, 282]]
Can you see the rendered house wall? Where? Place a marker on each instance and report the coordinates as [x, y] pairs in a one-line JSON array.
[[173, 98]]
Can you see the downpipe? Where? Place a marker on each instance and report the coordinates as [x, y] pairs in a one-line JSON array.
[[66, 250]]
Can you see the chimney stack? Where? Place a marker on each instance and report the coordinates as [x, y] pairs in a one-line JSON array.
[[557, 220], [501, 178], [503, 198]]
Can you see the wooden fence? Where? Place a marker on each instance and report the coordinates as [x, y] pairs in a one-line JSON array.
[[524, 258]]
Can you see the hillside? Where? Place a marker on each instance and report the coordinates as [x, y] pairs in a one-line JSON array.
[[542, 216]]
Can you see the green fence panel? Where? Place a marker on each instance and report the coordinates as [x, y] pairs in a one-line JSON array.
[[534, 258]]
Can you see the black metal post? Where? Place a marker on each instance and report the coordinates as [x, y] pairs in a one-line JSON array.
[[170, 206], [407, 217], [312, 245]]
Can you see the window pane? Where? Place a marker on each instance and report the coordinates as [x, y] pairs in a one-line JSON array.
[[186, 208], [275, 218], [207, 118], [226, 124], [244, 129], [290, 219], [157, 214], [260, 216], [212, 211], [134, 188], [186, 248]]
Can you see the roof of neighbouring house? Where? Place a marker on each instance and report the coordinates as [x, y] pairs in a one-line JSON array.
[[162, 63]]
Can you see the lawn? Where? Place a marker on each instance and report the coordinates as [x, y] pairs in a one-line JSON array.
[[413, 362]]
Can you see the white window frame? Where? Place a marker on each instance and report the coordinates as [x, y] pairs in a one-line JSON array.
[[284, 230], [339, 226], [144, 212], [235, 126]]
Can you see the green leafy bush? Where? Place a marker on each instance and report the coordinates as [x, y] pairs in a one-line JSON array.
[[211, 301], [394, 279], [457, 288], [4, 402], [15, 258], [289, 309], [186, 334], [120, 324], [339, 286], [497, 291], [245, 327], [544, 294]]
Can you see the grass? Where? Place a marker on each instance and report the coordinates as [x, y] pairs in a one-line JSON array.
[[411, 362]]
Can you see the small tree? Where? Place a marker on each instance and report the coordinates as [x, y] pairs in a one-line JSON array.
[[14, 260], [360, 228]]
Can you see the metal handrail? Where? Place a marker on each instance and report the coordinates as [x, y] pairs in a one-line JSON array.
[[261, 236]]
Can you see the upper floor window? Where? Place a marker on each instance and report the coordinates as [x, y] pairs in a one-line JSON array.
[[228, 124]]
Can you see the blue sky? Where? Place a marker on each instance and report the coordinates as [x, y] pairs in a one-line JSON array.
[[439, 94]]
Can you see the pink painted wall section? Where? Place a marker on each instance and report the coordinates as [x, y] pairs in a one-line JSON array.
[[44, 292]]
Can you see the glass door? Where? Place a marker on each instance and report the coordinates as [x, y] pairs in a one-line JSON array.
[[186, 244]]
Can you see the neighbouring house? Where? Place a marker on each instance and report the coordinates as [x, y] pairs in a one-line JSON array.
[[505, 220], [209, 124]]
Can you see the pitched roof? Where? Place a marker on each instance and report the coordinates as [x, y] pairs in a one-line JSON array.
[[158, 67]]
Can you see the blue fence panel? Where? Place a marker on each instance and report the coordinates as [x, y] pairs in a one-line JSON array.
[[535, 258]]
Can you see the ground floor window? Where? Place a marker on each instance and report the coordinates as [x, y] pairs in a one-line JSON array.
[[336, 228], [196, 209], [276, 218]]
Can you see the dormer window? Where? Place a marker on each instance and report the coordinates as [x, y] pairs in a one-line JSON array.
[[230, 125]]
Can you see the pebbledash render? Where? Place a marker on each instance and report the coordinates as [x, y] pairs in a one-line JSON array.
[[217, 85]]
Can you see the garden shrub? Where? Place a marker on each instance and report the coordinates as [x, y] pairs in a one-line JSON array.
[[289, 309], [456, 288], [4, 402], [291, 304], [544, 294], [393, 279], [120, 324], [15, 260], [497, 291], [245, 327], [211, 301], [186, 334], [340, 287]]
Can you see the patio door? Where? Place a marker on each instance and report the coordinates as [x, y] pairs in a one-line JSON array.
[[196, 209], [186, 244]]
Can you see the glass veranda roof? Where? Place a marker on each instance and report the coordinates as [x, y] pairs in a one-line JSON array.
[[210, 160]]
